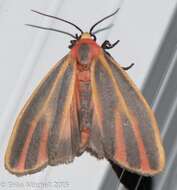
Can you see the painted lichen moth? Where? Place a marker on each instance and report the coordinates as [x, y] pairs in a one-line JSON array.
[[86, 102]]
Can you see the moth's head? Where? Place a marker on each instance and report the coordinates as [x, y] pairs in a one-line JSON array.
[[83, 36], [87, 35]]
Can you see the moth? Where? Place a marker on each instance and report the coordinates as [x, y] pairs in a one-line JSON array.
[[86, 102]]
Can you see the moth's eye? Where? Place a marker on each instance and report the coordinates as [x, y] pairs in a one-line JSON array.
[[93, 37]]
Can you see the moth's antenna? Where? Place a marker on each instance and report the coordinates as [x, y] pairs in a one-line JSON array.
[[63, 20], [102, 29], [91, 29], [52, 29]]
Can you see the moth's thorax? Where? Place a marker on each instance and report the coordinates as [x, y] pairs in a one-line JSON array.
[[84, 51]]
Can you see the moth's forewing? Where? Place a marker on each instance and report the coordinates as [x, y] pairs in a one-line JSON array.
[[124, 126], [45, 128]]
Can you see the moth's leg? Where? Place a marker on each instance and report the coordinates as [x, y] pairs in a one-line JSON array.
[[72, 43], [107, 45], [127, 68]]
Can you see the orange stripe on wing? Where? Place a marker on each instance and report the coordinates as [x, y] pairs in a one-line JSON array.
[[143, 156], [120, 152], [65, 124], [43, 154], [21, 163]]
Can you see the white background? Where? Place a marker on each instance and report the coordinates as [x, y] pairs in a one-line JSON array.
[[26, 54]]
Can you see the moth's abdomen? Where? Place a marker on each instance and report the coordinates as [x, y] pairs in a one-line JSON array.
[[84, 112], [83, 102]]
